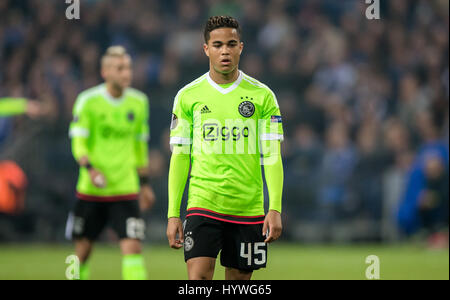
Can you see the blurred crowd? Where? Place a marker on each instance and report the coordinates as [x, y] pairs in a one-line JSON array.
[[364, 102]]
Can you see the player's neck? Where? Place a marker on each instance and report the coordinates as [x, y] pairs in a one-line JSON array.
[[221, 78], [114, 91]]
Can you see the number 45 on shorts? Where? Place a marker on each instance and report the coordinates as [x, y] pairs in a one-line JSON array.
[[254, 255]]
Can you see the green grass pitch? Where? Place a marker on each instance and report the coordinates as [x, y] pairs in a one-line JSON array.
[[286, 261]]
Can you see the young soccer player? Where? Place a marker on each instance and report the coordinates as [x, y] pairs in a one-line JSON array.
[[221, 124], [109, 135]]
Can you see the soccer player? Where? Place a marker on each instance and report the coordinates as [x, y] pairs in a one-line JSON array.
[[224, 125], [109, 135]]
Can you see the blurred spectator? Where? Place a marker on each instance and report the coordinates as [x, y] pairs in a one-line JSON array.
[[366, 179], [433, 201], [397, 143], [431, 163], [336, 171], [304, 159], [412, 99]]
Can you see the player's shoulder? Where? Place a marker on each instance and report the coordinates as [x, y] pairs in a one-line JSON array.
[[192, 86], [87, 96], [255, 84], [258, 86], [91, 92], [136, 94], [189, 90]]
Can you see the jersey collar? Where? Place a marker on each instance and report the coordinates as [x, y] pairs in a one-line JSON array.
[[221, 89], [111, 99]]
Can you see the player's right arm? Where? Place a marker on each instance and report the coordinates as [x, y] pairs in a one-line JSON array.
[[79, 133], [17, 106], [12, 106], [178, 174], [180, 141]]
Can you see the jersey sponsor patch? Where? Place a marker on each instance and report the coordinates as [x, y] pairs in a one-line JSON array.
[[275, 119], [174, 122], [246, 109]]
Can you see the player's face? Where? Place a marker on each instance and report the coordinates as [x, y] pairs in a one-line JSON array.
[[224, 49], [118, 71]]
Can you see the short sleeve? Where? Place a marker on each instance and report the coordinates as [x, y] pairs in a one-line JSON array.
[[79, 127], [271, 126], [181, 124]]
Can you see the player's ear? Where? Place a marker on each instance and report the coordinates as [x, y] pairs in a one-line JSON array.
[[241, 47], [104, 71], [206, 49]]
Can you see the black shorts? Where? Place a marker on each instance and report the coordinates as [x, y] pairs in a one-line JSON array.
[[241, 246], [90, 218]]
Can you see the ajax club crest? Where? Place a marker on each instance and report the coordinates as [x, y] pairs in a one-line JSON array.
[[188, 243], [246, 109]]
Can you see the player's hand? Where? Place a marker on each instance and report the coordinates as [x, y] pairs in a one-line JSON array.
[[272, 222], [146, 198], [34, 109], [174, 227], [97, 178]]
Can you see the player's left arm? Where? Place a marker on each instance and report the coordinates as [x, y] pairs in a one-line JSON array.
[[273, 171], [271, 136], [146, 194]]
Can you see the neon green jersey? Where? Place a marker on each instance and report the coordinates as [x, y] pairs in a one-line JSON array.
[[12, 106], [113, 133], [226, 126]]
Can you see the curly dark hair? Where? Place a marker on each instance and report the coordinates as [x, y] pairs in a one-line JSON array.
[[220, 22]]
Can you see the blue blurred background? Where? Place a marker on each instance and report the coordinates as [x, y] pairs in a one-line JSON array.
[[364, 105]]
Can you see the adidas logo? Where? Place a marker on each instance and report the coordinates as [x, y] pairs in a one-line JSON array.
[[205, 110]]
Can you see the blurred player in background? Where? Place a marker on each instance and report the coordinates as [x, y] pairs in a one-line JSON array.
[[216, 129], [109, 135], [18, 106]]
